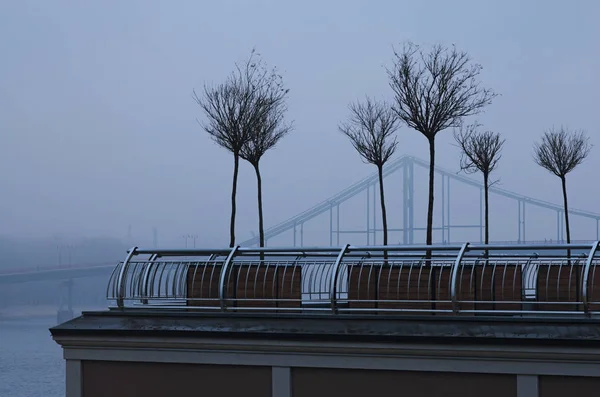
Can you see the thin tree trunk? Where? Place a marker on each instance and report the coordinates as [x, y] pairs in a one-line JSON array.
[[486, 253], [236, 166], [383, 211], [563, 180], [431, 190], [487, 207], [261, 228], [429, 241], [564, 189]]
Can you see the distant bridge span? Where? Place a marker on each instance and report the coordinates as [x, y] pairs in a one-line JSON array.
[[405, 165], [14, 276]]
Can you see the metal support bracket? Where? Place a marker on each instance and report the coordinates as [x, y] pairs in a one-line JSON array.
[[334, 280], [122, 280], [223, 276], [455, 267], [585, 277]]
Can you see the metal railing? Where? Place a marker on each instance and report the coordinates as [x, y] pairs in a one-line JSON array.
[[467, 279]]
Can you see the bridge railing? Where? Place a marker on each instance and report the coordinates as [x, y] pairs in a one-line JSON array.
[[466, 279]]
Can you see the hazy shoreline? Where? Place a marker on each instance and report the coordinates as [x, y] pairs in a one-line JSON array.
[[36, 312]]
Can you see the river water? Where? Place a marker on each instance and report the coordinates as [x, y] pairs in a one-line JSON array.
[[31, 363]]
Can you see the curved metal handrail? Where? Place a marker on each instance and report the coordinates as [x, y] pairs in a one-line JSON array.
[[336, 274], [121, 280], [223, 277], [322, 270], [585, 277], [453, 294]]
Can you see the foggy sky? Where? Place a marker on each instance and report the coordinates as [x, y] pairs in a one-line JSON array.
[[98, 128]]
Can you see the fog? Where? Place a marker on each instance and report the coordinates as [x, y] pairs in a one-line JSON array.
[[100, 145], [99, 130]]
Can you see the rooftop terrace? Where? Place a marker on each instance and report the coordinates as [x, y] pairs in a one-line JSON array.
[[492, 280]]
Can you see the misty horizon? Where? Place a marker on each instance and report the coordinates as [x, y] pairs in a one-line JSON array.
[[100, 130]]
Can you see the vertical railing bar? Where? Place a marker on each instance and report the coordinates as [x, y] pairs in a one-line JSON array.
[[133, 284], [408, 281], [144, 284], [210, 259], [586, 273], [112, 282], [177, 277], [248, 267], [503, 280]]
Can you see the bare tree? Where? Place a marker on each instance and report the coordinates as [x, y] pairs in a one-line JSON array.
[[435, 90], [230, 110], [481, 152], [266, 130], [560, 152], [371, 129]]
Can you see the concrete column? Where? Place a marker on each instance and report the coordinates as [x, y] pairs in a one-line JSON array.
[[527, 386], [73, 382], [281, 382]]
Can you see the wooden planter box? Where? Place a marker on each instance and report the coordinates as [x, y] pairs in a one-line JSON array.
[[247, 286], [203, 283], [503, 282], [557, 283], [594, 288], [363, 282], [426, 284]]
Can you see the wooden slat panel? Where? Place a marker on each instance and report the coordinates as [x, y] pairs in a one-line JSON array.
[[557, 283], [203, 282], [255, 286], [362, 285], [289, 279], [508, 286], [594, 288], [404, 283]]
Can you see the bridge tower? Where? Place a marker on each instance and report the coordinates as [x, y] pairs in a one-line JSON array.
[[65, 309]]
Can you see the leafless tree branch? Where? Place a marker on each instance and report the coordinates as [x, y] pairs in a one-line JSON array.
[[561, 151], [433, 91], [480, 151], [232, 111], [229, 106], [371, 129], [267, 122]]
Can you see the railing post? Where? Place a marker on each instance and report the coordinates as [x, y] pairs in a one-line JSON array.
[[334, 280], [122, 280], [453, 294], [584, 279], [223, 277]]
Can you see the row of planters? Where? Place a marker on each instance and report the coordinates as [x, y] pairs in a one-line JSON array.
[[393, 287]]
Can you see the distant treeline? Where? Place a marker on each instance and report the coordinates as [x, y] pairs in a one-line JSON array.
[[18, 253]]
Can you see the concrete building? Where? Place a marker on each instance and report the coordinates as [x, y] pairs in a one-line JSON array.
[[456, 321]]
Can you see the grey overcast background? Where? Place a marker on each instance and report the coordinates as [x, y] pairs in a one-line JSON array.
[[98, 128]]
